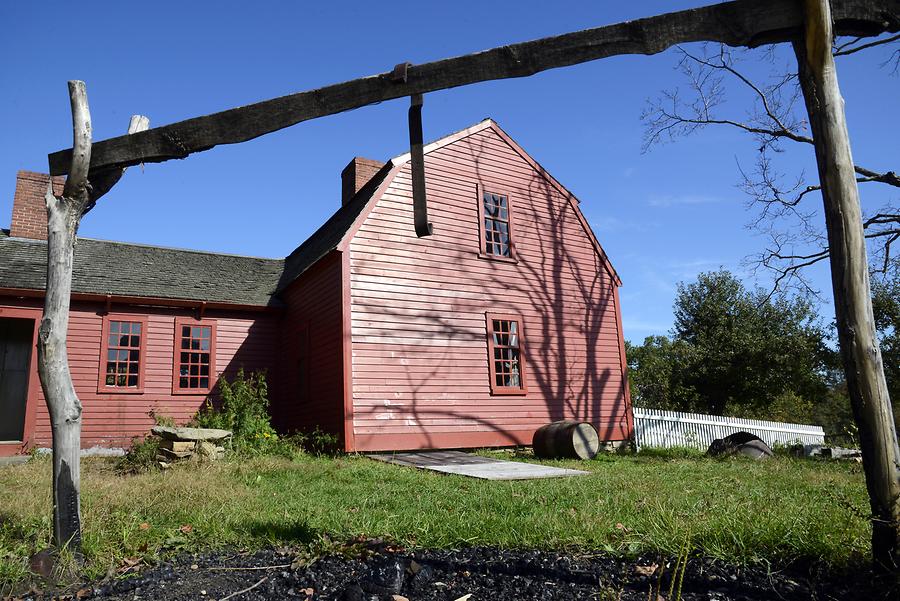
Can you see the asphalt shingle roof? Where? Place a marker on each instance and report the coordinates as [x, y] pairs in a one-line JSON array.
[[117, 268]]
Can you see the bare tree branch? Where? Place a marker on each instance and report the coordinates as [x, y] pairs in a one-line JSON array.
[[882, 218], [779, 199], [844, 49], [888, 177], [77, 186]]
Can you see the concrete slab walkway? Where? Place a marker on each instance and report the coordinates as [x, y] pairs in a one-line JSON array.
[[465, 464]]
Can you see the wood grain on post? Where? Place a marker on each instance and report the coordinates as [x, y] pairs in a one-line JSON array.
[[860, 353], [63, 216]]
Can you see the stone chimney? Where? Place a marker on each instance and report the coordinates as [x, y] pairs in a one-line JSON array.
[[29, 214], [356, 175]]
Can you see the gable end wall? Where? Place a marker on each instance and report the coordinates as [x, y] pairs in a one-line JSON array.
[[419, 346]]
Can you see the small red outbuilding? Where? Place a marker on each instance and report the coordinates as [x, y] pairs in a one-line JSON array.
[[506, 318]]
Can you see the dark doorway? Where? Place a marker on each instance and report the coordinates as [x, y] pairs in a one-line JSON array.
[[16, 336]]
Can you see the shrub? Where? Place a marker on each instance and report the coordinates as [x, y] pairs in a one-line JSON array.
[[243, 408], [317, 442], [141, 457], [160, 419]]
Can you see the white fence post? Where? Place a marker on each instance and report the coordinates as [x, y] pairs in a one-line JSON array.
[[666, 429]]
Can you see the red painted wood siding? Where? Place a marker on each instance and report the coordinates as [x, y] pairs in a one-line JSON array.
[[110, 419], [312, 318], [420, 362]]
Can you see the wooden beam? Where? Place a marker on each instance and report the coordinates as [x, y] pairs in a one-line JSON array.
[[417, 168], [738, 23]]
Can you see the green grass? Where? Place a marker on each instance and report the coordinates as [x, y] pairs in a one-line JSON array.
[[777, 511]]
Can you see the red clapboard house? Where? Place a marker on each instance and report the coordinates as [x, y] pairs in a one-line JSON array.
[[503, 320]]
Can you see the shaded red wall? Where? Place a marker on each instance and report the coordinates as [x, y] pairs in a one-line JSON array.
[[420, 359], [310, 351]]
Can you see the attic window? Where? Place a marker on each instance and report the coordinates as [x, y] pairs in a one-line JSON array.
[[506, 354], [122, 354], [495, 225], [195, 356]]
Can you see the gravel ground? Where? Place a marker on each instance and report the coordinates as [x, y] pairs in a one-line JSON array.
[[381, 573]]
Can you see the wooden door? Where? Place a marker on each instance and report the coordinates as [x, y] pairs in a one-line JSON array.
[[16, 336]]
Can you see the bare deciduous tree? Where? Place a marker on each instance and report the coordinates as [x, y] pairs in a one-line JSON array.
[[776, 120]]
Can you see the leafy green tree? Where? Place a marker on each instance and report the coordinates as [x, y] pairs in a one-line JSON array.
[[650, 372], [747, 348], [732, 350], [886, 308]]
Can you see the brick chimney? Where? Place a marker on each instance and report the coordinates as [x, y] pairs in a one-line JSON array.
[[356, 175], [29, 214]]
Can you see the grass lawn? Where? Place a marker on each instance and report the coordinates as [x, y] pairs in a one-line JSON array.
[[779, 511]]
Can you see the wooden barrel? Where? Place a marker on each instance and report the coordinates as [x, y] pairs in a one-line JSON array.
[[566, 439]]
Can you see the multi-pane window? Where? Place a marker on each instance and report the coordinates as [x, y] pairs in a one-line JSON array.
[[194, 355], [496, 229], [506, 346], [122, 354]]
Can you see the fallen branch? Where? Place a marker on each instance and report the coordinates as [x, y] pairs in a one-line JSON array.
[[278, 567], [246, 590]]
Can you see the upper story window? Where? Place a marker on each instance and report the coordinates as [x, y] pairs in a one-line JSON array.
[[495, 224], [506, 354], [195, 356], [122, 354]]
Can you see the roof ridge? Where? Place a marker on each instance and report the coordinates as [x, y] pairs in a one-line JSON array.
[[444, 140]]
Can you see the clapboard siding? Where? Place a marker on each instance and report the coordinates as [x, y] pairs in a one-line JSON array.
[[312, 327], [242, 340], [420, 373]]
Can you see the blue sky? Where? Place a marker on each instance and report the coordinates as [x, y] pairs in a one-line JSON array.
[[662, 217]]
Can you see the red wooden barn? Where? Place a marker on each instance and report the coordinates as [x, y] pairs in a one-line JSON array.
[[505, 319]]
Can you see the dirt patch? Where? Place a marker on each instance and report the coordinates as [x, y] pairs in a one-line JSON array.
[[484, 573]]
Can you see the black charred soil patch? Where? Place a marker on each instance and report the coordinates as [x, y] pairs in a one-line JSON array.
[[381, 572]]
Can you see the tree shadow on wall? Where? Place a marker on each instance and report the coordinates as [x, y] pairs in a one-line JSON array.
[[559, 285]]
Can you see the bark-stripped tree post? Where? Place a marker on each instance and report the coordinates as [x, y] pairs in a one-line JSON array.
[[850, 281], [64, 215]]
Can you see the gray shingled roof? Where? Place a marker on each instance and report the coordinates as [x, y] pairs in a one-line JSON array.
[[117, 268]]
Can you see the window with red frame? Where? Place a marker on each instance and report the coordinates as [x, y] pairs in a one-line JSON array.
[[495, 227], [123, 354], [506, 348], [194, 356]]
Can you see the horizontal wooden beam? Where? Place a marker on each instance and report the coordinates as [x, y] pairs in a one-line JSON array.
[[739, 23]]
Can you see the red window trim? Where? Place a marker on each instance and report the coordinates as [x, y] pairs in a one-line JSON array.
[[513, 256], [102, 388], [176, 355], [506, 390]]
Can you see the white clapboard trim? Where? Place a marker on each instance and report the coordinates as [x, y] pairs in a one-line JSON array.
[[665, 429]]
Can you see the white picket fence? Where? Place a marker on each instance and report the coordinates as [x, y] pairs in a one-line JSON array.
[[665, 429]]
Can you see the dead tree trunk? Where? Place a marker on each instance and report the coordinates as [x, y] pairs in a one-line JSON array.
[[850, 280], [63, 216]]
